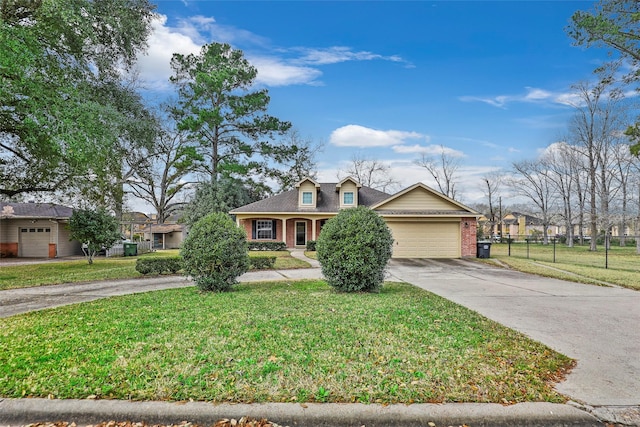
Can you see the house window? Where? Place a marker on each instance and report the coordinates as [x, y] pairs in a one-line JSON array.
[[347, 198], [307, 198], [264, 229]]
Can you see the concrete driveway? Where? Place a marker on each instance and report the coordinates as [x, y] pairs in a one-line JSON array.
[[597, 326]]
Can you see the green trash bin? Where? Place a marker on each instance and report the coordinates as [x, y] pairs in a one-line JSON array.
[[130, 249]]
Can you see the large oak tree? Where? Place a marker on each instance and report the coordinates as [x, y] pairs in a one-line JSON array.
[[58, 59]]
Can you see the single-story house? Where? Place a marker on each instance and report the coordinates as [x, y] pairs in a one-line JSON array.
[[424, 222], [165, 236], [36, 230]]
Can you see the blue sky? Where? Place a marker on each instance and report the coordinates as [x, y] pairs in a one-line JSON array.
[[488, 80]]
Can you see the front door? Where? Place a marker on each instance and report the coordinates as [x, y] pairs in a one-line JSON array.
[[301, 233]]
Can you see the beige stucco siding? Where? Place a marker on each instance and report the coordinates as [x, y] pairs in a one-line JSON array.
[[418, 199], [423, 239]]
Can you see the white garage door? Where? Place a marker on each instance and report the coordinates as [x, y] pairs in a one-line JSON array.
[[34, 242], [425, 239]]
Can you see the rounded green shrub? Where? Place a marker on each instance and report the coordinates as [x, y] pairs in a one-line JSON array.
[[215, 253], [353, 249]]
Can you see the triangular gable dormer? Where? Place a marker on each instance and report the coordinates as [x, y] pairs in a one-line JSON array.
[[348, 189], [420, 197], [308, 190]]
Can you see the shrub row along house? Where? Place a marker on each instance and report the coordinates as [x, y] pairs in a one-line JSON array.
[[424, 222]]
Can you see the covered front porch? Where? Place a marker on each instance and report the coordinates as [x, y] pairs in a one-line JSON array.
[[294, 230]]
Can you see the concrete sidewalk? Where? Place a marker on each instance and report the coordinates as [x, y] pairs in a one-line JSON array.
[[86, 412]]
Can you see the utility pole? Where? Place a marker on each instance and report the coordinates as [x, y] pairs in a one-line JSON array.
[[500, 214]]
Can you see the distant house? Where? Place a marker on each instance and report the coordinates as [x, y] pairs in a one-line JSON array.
[[165, 236], [36, 230], [519, 224], [424, 223]]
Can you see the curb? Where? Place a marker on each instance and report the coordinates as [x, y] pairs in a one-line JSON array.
[[85, 412]]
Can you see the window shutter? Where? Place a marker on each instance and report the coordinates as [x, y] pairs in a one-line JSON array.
[[273, 229], [253, 229]]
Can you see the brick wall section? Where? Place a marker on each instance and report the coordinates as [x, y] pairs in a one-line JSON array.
[[9, 250], [468, 241], [53, 250]]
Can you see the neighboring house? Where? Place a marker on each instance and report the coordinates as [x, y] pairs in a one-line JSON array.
[[37, 230], [165, 236], [424, 223], [133, 223], [519, 224]]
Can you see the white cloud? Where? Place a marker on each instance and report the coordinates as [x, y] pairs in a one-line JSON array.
[[276, 67], [534, 94], [363, 137], [336, 54], [409, 149], [164, 41], [531, 95], [275, 72], [498, 101], [429, 150]]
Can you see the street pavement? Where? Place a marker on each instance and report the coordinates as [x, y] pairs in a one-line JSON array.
[[597, 326]]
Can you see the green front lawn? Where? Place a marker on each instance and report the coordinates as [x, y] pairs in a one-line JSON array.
[[274, 342], [576, 264], [51, 273]]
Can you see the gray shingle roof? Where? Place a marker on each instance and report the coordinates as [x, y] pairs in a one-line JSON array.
[[328, 201], [34, 210], [529, 219]]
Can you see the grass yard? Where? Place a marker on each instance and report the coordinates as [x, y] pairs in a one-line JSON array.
[[51, 273], [576, 264], [274, 342]]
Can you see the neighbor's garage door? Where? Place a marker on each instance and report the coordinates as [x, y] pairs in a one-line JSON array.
[[425, 239], [34, 242]]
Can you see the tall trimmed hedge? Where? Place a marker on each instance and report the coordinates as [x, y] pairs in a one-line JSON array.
[[353, 249], [215, 253]]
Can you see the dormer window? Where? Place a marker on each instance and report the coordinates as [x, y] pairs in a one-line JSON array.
[[307, 198], [348, 192], [347, 198], [308, 194]]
